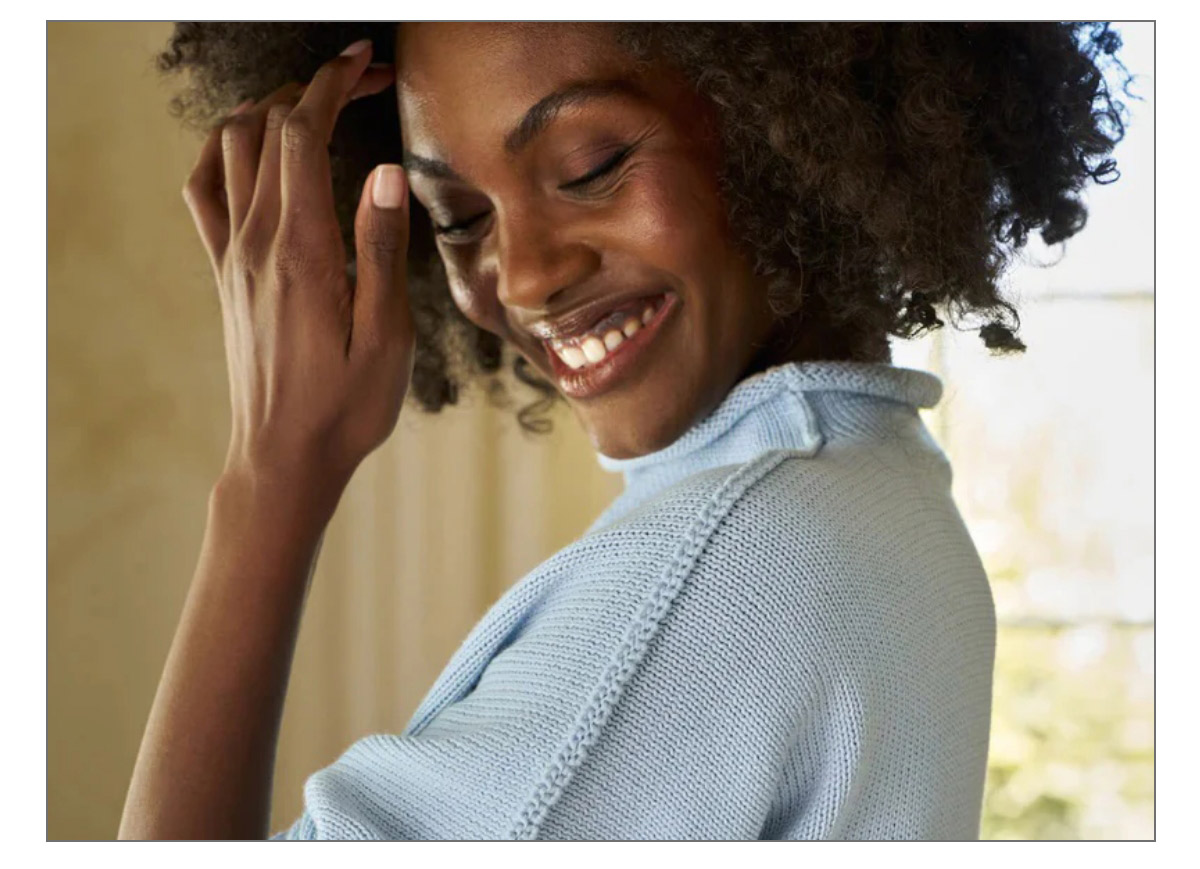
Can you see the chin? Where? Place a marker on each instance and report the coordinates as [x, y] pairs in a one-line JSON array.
[[628, 438]]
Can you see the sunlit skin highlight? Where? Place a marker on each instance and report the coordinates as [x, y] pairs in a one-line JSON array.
[[654, 223]]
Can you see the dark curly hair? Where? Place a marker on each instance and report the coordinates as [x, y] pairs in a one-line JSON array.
[[872, 171]]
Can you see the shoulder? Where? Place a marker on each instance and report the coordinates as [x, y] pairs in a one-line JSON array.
[[773, 556], [846, 561], [786, 515], [860, 550]]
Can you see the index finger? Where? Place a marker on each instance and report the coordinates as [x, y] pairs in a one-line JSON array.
[[305, 173]]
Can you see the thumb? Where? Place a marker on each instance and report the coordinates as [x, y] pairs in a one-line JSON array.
[[381, 246]]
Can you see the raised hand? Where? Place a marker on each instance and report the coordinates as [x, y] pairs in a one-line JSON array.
[[319, 363]]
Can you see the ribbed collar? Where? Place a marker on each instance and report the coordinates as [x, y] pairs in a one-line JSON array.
[[764, 411]]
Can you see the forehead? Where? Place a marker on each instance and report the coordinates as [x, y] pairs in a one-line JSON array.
[[468, 78]]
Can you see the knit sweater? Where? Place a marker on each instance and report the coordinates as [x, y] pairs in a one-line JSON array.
[[779, 629]]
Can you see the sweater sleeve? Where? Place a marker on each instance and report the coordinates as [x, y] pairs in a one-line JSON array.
[[708, 669], [494, 746]]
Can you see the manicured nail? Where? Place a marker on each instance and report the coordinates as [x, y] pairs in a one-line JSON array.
[[390, 187], [357, 47]]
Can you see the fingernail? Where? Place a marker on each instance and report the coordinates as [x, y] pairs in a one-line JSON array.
[[357, 47], [241, 107], [390, 187]]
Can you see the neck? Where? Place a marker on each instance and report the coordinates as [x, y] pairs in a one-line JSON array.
[[805, 338]]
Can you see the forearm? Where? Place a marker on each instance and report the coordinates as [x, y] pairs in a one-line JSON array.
[[206, 763]]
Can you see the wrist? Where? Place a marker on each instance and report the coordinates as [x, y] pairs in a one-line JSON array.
[[251, 495]]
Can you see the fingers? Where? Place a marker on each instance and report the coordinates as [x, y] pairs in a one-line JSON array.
[[377, 77], [381, 231], [306, 133], [227, 183], [266, 204], [204, 194], [264, 207], [334, 84], [241, 141]]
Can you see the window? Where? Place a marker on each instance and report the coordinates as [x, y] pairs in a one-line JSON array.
[[1053, 458]]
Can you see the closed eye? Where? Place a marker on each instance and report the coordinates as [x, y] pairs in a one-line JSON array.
[[586, 182], [600, 171]]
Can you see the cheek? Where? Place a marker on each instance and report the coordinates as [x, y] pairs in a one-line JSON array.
[[675, 221]]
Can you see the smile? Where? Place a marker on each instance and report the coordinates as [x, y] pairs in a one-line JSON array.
[[588, 364]]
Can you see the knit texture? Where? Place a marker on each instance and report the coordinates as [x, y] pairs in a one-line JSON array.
[[780, 629]]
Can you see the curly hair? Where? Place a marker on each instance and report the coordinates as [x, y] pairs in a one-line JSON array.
[[871, 172]]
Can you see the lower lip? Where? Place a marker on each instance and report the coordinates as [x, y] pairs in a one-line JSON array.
[[594, 379]]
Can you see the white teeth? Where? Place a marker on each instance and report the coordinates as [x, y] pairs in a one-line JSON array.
[[573, 356], [593, 349]]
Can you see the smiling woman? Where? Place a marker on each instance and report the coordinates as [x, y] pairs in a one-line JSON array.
[[580, 182], [700, 236]]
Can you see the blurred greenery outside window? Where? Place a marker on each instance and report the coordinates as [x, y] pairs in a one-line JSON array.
[[1053, 458]]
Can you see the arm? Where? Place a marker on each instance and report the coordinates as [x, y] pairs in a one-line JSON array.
[[206, 761], [318, 371], [534, 707]]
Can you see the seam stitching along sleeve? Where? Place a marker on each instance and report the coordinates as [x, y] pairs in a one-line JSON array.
[[632, 648]]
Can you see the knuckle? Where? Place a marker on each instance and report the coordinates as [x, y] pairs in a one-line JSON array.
[[378, 255], [291, 236], [292, 254], [297, 133], [237, 125], [278, 114], [235, 131], [380, 240], [327, 71], [288, 263], [196, 189]]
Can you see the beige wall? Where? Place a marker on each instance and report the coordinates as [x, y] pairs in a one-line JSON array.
[[434, 526]]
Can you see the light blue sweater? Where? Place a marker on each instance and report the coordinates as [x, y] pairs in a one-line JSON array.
[[780, 629]]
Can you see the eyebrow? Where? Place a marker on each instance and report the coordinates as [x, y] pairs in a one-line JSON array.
[[540, 115]]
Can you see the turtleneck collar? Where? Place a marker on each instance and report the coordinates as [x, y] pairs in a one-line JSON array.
[[762, 412]]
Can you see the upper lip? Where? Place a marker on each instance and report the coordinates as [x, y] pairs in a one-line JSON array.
[[584, 317]]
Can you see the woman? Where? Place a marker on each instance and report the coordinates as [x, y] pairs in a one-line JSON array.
[[700, 236]]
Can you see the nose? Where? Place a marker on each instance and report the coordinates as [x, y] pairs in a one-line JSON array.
[[540, 255]]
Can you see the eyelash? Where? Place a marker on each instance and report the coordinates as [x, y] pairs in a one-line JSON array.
[[586, 182]]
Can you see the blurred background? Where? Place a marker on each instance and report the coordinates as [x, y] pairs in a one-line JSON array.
[[1052, 454]]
